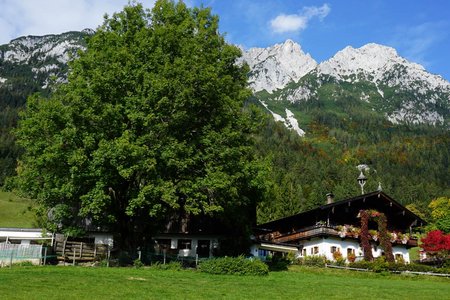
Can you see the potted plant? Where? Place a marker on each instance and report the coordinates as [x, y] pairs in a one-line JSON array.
[[393, 236], [355, 231], [351, 257]]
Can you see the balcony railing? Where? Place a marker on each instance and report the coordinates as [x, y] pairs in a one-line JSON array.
[[322, 230]]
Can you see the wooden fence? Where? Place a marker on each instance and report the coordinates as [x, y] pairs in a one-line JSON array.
[[74, 251]]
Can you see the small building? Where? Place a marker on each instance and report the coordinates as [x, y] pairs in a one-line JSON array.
[[336, 227], [186, 245], [24, 236], [22, 244]]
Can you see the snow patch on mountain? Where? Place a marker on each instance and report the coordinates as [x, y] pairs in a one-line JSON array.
[[274, 67], [290, 121]]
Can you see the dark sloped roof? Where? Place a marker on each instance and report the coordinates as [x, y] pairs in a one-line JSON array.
[[345, 212]]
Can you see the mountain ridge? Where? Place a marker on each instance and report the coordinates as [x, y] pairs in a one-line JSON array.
[[403, 91]]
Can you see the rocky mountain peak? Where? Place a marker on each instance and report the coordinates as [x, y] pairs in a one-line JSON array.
[[274, 67], [381, 65], [373, 59]]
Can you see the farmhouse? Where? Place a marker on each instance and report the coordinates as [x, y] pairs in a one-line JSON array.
[[335, 228]]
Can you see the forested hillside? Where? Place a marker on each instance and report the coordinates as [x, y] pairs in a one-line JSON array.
[[410, 162]]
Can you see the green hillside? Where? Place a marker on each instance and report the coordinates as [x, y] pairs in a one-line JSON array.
[[15, 211]]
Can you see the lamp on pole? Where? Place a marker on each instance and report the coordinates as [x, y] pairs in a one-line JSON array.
[[362, 181]]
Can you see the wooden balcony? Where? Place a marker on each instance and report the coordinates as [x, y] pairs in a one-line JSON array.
[[322, 231]]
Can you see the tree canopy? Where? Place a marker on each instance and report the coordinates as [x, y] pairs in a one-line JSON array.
[[151, 124], [440, 213]]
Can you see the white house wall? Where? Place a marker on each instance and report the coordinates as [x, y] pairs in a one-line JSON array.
[[325, 245], [214, 242], [403, 251], [324, 248]]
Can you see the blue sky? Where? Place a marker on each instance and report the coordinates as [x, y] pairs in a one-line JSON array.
[[418, 29]]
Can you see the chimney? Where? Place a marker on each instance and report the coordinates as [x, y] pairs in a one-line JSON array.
[[330, 198]]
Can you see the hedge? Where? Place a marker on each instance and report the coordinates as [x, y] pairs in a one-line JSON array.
[[234, 265]]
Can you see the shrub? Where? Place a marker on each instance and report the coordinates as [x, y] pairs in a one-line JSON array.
[[314, 261], [137, 263], [380, 265], [234, 265], [279, 264], [362, 264], [340, 261]]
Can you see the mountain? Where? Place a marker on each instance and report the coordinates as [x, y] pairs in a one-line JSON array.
[[274, 67], [402, 91], [31, 64]]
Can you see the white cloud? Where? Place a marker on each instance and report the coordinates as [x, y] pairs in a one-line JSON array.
[[287, 23], [297, 22], [40, 17], [314, 11]]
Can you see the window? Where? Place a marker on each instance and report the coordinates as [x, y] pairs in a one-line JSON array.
[[184, 244], [262, 253], [350, 251], [316, 250], [161, 244], [399, 257], [333, 249], [304, 252]]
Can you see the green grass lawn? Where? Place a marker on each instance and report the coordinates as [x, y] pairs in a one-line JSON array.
[[56, 282], [15, 211]]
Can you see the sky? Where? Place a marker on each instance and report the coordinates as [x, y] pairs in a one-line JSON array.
[[418, 29]]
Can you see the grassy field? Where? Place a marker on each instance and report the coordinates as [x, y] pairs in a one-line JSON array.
[[56, 282], [14, 211]]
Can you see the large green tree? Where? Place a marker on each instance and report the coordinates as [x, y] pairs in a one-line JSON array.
[[151, 127]]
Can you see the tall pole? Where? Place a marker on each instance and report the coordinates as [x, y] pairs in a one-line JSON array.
[[362, 181]]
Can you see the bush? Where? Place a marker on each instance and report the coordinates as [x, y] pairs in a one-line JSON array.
[[234, 265], [362, 264], [312, 261], [137, 263], [340, 262], [380, 265]]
